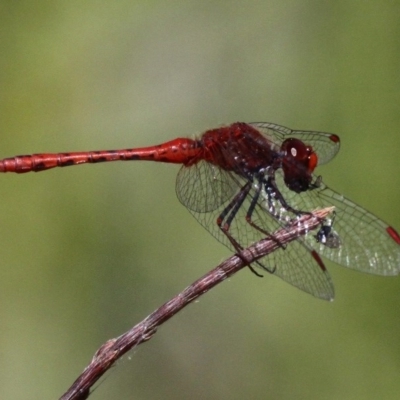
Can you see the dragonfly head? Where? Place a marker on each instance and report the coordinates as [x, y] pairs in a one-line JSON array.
[[298, 164]]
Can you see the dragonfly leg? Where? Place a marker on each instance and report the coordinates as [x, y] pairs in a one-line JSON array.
[[228, 214], [272, 190], [326, 235], [254, 225]]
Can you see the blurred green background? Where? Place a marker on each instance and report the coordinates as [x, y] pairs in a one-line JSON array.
[[87, 252]]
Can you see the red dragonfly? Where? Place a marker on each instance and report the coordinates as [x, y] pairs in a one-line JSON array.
[[244, 181]]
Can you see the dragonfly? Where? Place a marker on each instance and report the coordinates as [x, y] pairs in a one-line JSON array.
[[244, 181]]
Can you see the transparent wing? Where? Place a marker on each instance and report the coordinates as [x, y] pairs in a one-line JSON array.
[[367, 244], [204, 187], [206, 193], [326, 145]]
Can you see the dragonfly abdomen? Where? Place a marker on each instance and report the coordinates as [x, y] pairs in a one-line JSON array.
[[180, 151]]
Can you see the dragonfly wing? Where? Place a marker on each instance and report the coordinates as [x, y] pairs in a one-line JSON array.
[[300, 266], [366, 242], [273, 127], [202, 187]]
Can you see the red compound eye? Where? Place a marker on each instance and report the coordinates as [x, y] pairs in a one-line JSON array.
[[298, 163]]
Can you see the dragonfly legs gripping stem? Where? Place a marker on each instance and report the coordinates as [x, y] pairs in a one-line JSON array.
[[229, 214]]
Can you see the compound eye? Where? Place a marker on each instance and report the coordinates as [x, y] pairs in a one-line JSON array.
[[296, 151], [298, 164]]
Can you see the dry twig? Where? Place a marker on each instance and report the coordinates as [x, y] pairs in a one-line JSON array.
[[113, 349]]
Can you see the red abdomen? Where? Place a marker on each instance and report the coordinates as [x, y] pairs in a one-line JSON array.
[[179, 151]]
